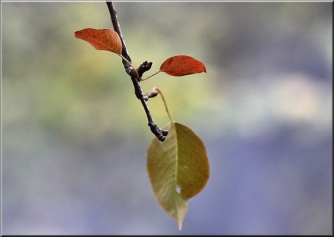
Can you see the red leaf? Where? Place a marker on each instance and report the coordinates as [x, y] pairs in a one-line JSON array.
[[103, 39], [182, 65]]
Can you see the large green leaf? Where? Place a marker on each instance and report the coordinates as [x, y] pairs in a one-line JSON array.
[[178, 169]]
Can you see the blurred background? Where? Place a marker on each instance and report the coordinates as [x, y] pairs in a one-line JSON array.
[[75, 137]]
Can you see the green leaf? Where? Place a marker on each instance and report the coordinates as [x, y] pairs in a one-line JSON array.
[[178, 169]]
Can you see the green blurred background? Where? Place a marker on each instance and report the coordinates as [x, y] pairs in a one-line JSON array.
[[74, 135]]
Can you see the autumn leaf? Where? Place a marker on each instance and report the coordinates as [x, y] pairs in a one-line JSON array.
[[178, 169], [182, 65], [102, 39]]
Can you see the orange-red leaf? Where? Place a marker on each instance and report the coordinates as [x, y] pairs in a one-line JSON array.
[[103, 39], [182, 65]]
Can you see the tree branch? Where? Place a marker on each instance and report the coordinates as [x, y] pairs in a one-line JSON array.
[[145, 66]]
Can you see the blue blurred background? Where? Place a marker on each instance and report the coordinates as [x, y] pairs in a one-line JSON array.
[[75, 137]]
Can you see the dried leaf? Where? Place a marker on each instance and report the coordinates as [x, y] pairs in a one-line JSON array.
[[102, 39], [178, 169], [182, 65]]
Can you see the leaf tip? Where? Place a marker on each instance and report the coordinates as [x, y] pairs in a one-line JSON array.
[[180, 225], [76, 34]]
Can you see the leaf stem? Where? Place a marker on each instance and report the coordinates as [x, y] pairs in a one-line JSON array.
[[143, 79], [165, 103]]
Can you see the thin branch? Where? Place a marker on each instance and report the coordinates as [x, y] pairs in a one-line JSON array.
[[117, 28], [136, 76]]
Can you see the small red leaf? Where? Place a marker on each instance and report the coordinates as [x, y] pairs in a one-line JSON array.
[[103, 39], [182, 65]]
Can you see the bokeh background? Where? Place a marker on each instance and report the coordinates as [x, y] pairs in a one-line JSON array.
[[74, 136]]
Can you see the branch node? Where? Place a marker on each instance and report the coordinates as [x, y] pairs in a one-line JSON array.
[[158, 132], [149, 95], [144, 67]]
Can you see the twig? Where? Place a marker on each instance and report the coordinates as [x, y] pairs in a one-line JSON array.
[[133, 73]]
